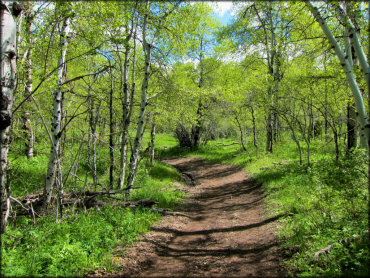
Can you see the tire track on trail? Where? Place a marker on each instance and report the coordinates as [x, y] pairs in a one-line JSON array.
[[220, 230]]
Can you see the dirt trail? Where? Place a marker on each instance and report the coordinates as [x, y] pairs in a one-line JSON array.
[[219, 230]]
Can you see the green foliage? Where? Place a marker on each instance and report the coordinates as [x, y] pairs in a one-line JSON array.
[[325, 203], [27, 175], [82, 241], [78, 244]]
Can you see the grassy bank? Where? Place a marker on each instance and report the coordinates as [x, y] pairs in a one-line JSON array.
[[325, 203], [84, 239]]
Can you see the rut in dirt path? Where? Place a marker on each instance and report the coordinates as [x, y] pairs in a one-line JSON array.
[[219, 230]]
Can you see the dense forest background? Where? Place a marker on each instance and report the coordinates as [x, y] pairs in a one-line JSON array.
[[93, 93]]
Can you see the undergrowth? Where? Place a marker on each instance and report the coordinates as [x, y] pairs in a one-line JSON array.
[[83, 240]]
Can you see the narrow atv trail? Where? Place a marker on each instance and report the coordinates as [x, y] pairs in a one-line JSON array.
[[220, 230]]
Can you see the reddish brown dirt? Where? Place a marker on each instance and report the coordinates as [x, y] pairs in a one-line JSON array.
[[220, 230]]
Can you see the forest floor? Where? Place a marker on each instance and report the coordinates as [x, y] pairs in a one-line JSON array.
[[220, 229]]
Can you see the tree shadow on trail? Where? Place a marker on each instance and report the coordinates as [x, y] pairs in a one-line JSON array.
[[218, 230], [226, 233], [165, 250]]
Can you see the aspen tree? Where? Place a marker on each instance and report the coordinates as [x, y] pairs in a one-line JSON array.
[[344, 60], [9, 14], [57, 105]]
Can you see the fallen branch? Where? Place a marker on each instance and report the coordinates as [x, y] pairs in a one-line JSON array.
[[226, 145], [326, 250], [29, 204], [281, 163]]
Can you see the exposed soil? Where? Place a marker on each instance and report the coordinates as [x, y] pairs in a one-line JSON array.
[[220, 230]]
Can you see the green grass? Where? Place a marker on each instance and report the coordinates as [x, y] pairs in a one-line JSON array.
[[80, 243], [27, 175], [84, 240], [159, 186]]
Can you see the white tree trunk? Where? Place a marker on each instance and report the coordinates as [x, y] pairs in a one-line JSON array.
[[152, 143], [56, 121], [28, 88], [8, 68], [140, 127], [348, 71], [125, 118], [355, 41]]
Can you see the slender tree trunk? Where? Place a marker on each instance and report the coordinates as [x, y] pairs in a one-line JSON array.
[[27, 126], [111, 131], [8, 66], [93, 122], [276, 126], [311, 122], [269, 133], [335, 134], [351, 109], [28, 87], [326, 102], [351, 126], [57, 113], [241, 133], [125, 118], [196, 129], [140, 127], [254, 128], [152, 142]]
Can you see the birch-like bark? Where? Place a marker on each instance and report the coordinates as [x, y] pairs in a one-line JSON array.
[[241, 133], [140, 127], [8, 29], [196, 129], [111, 129], [363, 118], [125, 113], [93, 122], [28, 88], [351, 113], [57, 113], [152, 142], [360, 53], [254, 128]]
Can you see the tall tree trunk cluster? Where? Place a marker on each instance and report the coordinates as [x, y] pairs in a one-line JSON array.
[[347, 65], [57, 113], [143, 104]]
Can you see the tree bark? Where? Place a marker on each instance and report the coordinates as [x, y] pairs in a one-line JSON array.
[[363, 118], [125, 112], [269, 133], [140, 127], [241, 133], [28, 87], [9, 14], [152, 142], [351, 127], [254, 128], [93, 122], [111, 130], [57, 113]]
